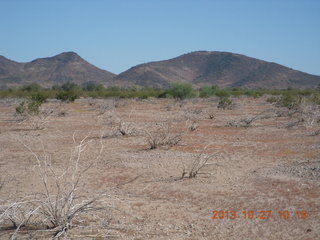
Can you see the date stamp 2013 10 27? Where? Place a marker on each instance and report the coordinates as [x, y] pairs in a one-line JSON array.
[[260, 214]]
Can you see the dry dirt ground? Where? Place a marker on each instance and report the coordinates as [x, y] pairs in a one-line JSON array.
[[263, 167]]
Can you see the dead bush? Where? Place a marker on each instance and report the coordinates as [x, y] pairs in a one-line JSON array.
[[162, 135], [125, 128], [103, 105], [198, 165], [249, 120], [305, 114], [116, 126], [2, 180], [192, 125], [38, 120], [61, 201], [211, 114]]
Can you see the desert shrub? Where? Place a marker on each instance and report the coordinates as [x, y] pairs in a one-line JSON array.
[[237, 92], [289, 101], [272, 100], [33, 87], [67, 96], [200, 163], [225, 103], [22, 108], [315, 99], [28, 108], [39, 97], [181, 90], [248, 120], [162, 135], [32, 105], [92, 86], [69, 87], [60, 202], [206, 92], [222, 93], [192, 125]]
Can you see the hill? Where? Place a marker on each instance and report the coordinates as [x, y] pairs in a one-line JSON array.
[[202, 68], [223, 69], [62, 68]]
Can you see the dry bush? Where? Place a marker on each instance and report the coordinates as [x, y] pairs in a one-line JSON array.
[[103, 106], [198, 165], [316, 133], [19, 214], [211, 114], [60, 202], [125, 128], [116, 126], [2, 181], [162, 135], [249, 120], [226, 103], [38, 120], [306, 114], [192, 125]]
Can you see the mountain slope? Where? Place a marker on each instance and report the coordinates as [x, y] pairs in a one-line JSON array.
[[65, 67], [217, 68]]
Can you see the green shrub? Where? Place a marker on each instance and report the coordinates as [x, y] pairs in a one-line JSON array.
[[39, 97], [206, 92], [67, 96], [28, 108], [181, 90], [222, 93], [69, 87], [92, 86], [33, 87]]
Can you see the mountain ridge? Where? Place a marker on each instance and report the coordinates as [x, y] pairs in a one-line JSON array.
[[199, 68], [225, 69], [48, 71]]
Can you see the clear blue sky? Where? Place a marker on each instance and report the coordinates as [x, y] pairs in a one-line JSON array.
[[117, 34]]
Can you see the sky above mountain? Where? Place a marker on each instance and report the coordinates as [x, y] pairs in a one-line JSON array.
[[117, 34]]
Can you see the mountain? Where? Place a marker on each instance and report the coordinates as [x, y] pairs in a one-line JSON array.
[[62, 68], [223, 69], [200, 68]]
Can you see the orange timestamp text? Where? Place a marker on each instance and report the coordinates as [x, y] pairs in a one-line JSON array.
[[261, 214]]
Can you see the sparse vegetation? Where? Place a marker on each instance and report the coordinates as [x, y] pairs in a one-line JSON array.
[[172, 179]]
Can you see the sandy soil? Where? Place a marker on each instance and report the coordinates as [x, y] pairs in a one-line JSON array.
[[264, 167]]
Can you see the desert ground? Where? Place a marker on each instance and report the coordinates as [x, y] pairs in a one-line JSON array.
[[137, 160]]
